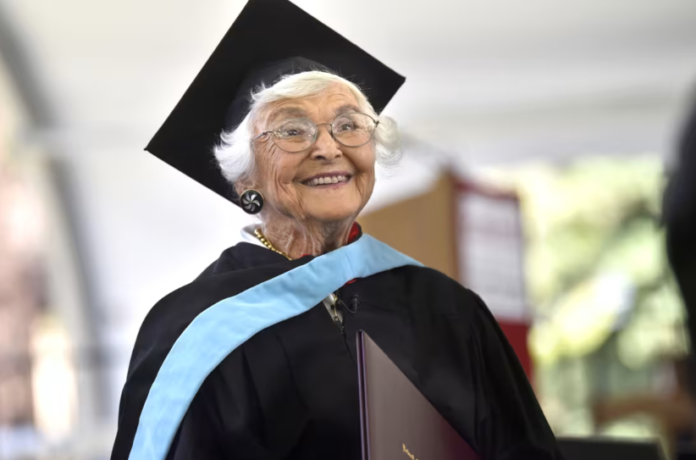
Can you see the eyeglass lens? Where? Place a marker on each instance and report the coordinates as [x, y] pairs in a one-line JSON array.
[[350, 129]]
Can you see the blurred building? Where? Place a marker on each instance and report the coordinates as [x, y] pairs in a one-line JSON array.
[[21, 295]]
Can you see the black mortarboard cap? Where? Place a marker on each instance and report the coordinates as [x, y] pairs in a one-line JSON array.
[[269, 39]]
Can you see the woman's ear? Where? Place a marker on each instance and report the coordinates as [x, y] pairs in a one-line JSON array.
[[248, 180], [242, 185], [239, 187]]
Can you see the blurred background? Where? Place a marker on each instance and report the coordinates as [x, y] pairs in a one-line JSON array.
[[537, 137]]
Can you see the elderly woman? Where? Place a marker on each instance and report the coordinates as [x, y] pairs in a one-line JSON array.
[[256, 358]]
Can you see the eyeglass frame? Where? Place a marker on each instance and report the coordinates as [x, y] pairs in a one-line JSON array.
[[316, 132]]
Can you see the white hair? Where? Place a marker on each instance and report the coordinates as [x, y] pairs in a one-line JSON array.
[[234, 152]]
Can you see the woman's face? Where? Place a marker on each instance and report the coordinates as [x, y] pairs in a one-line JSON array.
[[288, 181]]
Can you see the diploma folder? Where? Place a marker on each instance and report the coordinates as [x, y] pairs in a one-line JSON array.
[[397, 422]]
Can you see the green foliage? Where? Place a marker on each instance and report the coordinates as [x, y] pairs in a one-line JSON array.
[[598, 282]]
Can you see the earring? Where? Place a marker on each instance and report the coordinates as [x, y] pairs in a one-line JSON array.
[[251, 201]]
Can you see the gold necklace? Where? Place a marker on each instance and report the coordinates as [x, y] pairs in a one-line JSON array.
[[268, 244], [333, 297]]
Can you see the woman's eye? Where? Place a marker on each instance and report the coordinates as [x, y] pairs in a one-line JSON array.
[[291, 132], [346, 127]]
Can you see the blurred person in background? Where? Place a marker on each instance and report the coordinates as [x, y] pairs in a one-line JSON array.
[[679, 214], [256, 358]]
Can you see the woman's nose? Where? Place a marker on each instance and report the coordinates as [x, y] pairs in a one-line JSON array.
[[325, 147]]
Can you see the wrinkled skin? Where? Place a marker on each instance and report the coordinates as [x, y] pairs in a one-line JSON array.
[[299, 218]]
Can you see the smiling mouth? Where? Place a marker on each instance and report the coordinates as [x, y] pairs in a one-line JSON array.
[[330, 179]]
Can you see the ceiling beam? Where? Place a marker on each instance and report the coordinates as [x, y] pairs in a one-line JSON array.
[[22, 75]]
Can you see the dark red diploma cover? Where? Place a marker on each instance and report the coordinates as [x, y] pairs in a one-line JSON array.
[[397, 421]]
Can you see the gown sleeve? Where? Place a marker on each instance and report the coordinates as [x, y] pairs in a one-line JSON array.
[[510, 424], [198, 435], [224, 419]]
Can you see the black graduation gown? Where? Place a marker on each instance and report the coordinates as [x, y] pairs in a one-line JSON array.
[[291, 391]]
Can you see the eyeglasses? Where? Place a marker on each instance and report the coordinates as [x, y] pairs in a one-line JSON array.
[[353, 129]]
